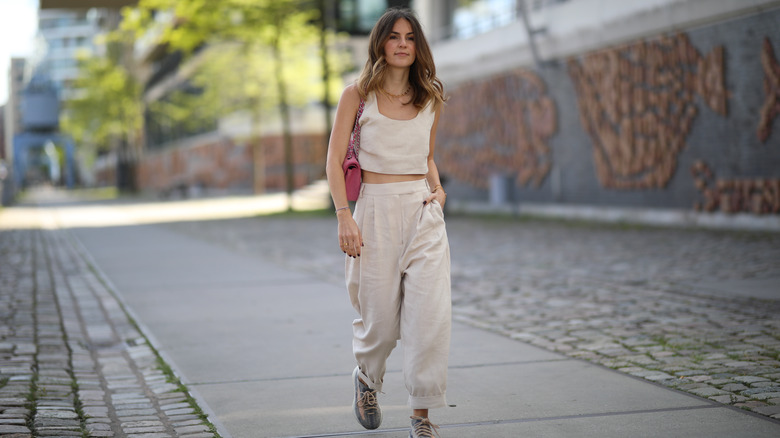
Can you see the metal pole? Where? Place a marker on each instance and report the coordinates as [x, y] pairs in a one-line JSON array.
[[529, 32]]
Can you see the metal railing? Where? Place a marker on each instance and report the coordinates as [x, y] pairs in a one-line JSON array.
[[494, 20]]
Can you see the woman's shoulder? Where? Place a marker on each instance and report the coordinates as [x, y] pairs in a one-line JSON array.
[[350, 100], [351, 94]]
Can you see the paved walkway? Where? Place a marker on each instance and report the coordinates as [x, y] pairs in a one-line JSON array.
[[252, 315], [691, 309], [71, 361]]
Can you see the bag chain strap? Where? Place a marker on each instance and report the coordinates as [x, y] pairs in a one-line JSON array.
[[354, 143]]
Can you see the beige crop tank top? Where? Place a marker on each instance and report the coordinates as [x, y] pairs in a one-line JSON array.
[[396, 147]]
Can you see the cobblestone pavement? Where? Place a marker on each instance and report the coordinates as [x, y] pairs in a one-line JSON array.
[[71, 361], [676, 307]]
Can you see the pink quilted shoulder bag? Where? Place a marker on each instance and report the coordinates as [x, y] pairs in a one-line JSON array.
[[351, 165]]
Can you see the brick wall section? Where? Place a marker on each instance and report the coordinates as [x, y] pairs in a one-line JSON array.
[[732, 138], [503, 125], [309, 152], [225, 164]]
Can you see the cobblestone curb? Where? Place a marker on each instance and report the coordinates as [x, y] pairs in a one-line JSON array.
[[72, 363], [723, 351], [625, 298]]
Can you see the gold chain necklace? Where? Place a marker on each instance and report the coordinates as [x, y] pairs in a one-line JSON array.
[[408, 89]]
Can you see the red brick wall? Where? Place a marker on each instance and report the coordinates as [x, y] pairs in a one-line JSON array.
[[225, 164], [309, 153]]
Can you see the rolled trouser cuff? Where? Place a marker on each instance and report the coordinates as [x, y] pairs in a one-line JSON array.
[[370, 383]]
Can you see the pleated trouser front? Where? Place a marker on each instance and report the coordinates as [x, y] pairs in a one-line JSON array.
[[400, 286]]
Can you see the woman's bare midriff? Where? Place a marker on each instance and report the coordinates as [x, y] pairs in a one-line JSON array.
[[384, 178]]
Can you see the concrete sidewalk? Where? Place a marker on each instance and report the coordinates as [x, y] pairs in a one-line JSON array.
[[267, 351]]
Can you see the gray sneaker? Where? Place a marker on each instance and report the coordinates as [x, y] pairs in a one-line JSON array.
[[423, 428], [365, 404]]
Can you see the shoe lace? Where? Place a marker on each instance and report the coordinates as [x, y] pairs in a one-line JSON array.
[[367, 401], [425, 428]]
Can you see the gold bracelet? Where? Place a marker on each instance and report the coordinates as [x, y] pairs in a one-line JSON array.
[[437, 187]]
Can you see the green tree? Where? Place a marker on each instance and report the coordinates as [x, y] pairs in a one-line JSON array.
[[106, 113], [256, 43]]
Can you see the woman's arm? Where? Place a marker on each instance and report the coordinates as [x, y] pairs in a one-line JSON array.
[[337, 150], [433, 171]]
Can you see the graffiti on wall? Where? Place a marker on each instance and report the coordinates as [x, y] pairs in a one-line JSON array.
[[500, 125], [757, 195], [771, 108], [637, 104]]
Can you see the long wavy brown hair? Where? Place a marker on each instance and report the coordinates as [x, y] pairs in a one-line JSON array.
[[426, 87]]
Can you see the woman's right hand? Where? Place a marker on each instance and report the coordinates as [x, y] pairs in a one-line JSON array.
[[350, 239]]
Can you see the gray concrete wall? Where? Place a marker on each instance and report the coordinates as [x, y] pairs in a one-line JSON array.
[[744, 171]]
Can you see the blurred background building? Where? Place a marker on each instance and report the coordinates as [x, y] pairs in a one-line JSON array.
[[12, 121], [553, 103], [62, 33], [35, 151]]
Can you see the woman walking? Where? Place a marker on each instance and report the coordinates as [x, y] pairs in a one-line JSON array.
[[398, 264]]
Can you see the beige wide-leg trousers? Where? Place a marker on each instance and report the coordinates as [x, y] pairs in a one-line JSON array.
[[400, 286]]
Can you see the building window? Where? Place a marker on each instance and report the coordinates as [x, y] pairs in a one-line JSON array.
[[47, 24], [357, 17], [538, 5], [63, 63], [468, 18], [473, 17]]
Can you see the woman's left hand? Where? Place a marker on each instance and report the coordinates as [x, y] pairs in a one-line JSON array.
[[438, 196]]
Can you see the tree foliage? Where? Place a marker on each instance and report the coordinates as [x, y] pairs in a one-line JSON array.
[[106, 109], [260, 54], [241, 36]]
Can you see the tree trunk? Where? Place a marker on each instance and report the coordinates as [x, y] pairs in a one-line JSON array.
[[284, 110], [258, 151], [125, 172], [324, 20]]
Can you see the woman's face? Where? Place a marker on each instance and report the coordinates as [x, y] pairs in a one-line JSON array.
[[399, 47]]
